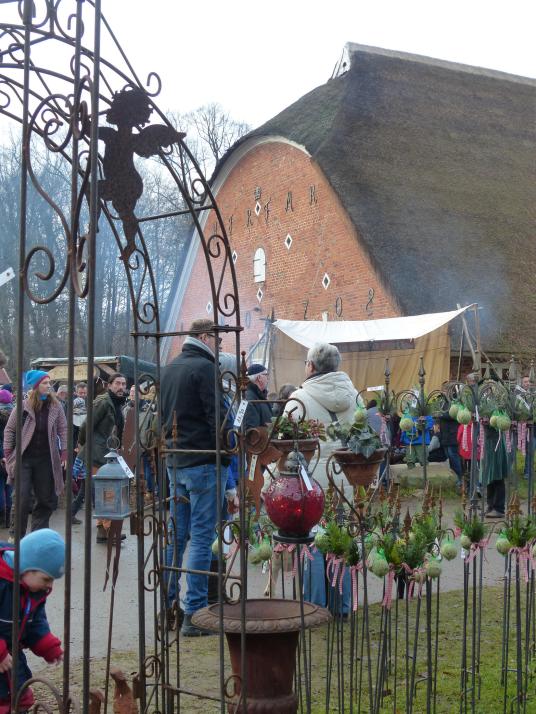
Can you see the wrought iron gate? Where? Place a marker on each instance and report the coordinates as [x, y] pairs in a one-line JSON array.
[[56, 82]]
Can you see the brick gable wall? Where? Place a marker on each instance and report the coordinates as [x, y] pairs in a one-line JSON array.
[[295, 199]]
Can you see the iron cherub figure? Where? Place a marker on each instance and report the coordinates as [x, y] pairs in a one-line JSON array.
[[122, 185]]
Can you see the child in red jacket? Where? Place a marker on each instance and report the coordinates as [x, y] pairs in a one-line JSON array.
[[42, 560]]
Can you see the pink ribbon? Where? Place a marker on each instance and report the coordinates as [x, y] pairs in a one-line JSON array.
[[410, 572], [232, 550], [508, 441], [383, 430], [306, 553], [465, 441], [337, 567], [290, 548], [475, 547], [524, 557], [481, 436], [354, 570], [388, 597]]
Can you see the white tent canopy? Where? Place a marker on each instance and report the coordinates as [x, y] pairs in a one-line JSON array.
[[308, 332], [365, 345]]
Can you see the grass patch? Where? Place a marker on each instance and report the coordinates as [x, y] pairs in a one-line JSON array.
[[199, 660]]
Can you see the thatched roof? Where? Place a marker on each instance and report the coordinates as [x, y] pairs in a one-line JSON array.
[[436, 165]]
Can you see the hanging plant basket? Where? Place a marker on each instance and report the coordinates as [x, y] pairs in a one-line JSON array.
[[308, 447], [358, 469]]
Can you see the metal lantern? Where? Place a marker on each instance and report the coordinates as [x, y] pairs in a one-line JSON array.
[[112, 490]]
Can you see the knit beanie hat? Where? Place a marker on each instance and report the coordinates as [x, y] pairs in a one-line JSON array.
[[5, 396], [34, 377], [42, 550], [254, 369]]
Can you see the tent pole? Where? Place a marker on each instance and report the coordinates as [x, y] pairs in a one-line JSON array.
[[460, 357], [477, 332], [466, 331]]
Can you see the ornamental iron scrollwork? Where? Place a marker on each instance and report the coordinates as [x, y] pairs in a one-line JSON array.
[[93, 116]]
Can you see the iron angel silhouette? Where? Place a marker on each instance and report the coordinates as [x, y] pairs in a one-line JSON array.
[[122, 184]]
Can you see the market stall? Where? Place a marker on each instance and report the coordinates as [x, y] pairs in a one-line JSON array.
[[365, 345]]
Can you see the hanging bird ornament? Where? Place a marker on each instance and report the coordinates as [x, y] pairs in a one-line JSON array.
[[122, 185]]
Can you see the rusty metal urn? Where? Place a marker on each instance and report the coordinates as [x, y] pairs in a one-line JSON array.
[[272, 631]]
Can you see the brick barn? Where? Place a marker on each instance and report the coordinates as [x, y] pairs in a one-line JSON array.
[[404, 185]]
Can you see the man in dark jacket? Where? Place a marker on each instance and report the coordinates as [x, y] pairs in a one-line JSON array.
[[107, 420], [188, 399], [259, 412]]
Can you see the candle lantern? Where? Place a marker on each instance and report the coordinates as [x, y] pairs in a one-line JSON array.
[[112, 490], [294, 501]]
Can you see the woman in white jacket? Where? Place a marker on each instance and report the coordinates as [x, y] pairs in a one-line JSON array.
[[327, 395]]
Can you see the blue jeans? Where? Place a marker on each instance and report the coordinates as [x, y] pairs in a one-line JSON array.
[[315, 586], [193, 521], [148, 474], [455, 462]]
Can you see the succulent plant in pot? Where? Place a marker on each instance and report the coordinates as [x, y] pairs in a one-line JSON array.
[[362, 450]]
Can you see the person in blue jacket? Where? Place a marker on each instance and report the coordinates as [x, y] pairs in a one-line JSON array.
[[413, 441], [42, 559]]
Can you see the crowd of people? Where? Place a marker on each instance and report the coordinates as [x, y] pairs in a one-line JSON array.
[[201, 479]]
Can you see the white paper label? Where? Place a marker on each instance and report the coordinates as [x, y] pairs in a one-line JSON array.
[[6, 276], [477, 417], [376, 389], [305, 477], [463, 553], [121, 461], [239, 418], [252, 466]]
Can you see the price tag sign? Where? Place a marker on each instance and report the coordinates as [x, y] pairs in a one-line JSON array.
[[6, 276], [305, 477], [376, 389], [239, 418], [126, 469], [252, 467]]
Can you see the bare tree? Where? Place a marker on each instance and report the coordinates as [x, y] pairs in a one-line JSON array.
[[210, 131]]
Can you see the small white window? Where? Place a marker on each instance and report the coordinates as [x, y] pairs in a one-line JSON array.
[[259, 266]]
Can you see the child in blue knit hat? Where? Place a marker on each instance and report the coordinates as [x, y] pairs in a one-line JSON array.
[[42, 560]]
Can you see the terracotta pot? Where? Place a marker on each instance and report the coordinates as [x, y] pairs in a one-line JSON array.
[[308, 447], [272, 631], [359, 470]]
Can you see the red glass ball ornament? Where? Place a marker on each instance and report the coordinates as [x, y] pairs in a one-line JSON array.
[[291, 506]]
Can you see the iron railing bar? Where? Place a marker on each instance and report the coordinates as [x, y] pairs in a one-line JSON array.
[[27, 19], [71, 256], [173, 214], [93, 219]]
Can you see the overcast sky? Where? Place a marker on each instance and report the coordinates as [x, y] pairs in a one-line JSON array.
[[256, 58]]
